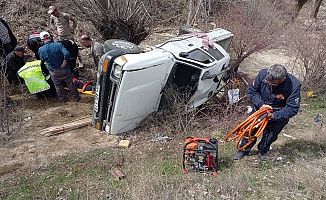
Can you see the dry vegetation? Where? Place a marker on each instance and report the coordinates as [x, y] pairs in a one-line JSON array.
[[295, 168]]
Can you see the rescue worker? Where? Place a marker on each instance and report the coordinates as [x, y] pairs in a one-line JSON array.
[[14, 61], [72, 48], [60, 23], [274, 88], [34, 42], [97, 48], [35, 79], [56, 57]]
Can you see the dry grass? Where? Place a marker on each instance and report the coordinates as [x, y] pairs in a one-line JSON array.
[[153, 169]]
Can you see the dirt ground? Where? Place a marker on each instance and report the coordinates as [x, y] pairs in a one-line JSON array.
[[26, 149]]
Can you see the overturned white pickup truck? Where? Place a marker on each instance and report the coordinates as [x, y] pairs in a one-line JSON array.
[[130, 83]]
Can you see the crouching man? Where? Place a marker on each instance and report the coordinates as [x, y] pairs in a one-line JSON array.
[[35, 79]]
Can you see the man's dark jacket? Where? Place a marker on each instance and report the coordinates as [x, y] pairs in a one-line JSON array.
[[12, 65], [285, 95]]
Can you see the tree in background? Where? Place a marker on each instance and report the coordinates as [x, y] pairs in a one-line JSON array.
[[255, 25], [300, 3]]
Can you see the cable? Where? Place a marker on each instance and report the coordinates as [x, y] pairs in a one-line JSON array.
[[244, 130]]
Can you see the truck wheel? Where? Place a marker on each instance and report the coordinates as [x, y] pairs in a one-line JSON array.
[[187, 30], [116, 44]]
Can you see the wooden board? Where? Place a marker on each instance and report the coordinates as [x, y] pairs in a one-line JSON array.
[[54, 130]]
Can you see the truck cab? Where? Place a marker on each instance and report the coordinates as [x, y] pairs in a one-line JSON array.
[[130, 83]]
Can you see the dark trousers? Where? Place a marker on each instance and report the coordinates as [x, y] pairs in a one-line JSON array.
[[72, 61], [61, 78], [269, 136]]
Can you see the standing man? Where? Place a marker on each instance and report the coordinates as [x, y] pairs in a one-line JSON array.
[[97, 48], [60, 23], [274, 88], [56, 59], [8, 40], [14, 61]]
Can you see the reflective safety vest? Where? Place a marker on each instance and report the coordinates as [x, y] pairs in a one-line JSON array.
[[34, 79]]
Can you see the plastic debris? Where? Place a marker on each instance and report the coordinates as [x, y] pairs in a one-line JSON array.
[[159, 138], [280, 159], [311, 94]]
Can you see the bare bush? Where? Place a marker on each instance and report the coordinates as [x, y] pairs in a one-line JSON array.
[[128, 19], [7, 107], [209, 120], [172, 118], [255, 25], [199, 11], [310, 58], [134, 20]]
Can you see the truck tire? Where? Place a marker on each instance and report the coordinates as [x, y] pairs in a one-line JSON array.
[[187, 30], [116, 44]]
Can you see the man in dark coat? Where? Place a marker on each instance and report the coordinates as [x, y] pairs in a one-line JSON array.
[[274, 88], [34, 42], [14, 61]]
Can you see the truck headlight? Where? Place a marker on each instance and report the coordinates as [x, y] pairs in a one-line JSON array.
[[117, 71]]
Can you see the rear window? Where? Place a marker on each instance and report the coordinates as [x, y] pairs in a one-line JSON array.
[[215, 53], [203, 57], [200, 56]]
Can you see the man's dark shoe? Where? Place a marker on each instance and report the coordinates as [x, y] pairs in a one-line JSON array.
[[63, 100], [76, 99], [240, 154], [40, 96], [261, 156]]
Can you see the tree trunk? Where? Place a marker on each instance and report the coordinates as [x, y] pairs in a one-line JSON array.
[[298, 6], [314, 12]]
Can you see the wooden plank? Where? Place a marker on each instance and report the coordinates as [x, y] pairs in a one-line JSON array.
[[54, 130], [117, 173]]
